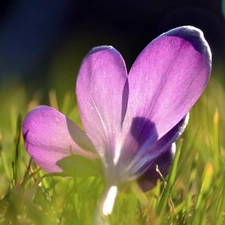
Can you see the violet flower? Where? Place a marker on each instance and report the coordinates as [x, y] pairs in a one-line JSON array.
[[131, 121]]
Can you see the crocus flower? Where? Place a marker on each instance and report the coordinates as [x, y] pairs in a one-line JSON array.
[[131, 121]]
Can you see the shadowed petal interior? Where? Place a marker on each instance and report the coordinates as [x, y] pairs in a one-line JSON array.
[[146, 156], [163, 163], [135, 165]]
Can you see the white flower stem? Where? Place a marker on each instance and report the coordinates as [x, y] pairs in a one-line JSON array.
[[106, 206], [109, 201]]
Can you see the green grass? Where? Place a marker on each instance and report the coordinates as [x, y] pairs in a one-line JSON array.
[[194, 192]]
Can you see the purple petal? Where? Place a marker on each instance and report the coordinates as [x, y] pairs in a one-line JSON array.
[[161, 153], [167, 79], [50, 136], [149, 179], [138, 163], [102, 97]]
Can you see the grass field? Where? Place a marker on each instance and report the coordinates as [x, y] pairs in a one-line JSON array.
[[194, 191]]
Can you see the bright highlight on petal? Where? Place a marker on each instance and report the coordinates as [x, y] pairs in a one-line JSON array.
[[109, 201]]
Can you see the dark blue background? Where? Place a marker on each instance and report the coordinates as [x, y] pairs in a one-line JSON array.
[[31, 32]]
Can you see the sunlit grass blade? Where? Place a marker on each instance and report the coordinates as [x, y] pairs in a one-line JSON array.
[[206, 183], [165, 197], [53, 99], [199, 215], [189, 202], [219, 213], [4, 162], [216, 145], [17, 143]]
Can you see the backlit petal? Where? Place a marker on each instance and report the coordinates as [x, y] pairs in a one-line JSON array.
[[167, 78], [50, 136], [102, 97]]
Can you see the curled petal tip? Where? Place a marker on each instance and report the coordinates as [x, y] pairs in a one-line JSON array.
[[196, 37], [101, 48]]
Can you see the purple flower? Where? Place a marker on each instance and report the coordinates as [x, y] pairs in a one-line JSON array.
[[131, 121]]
